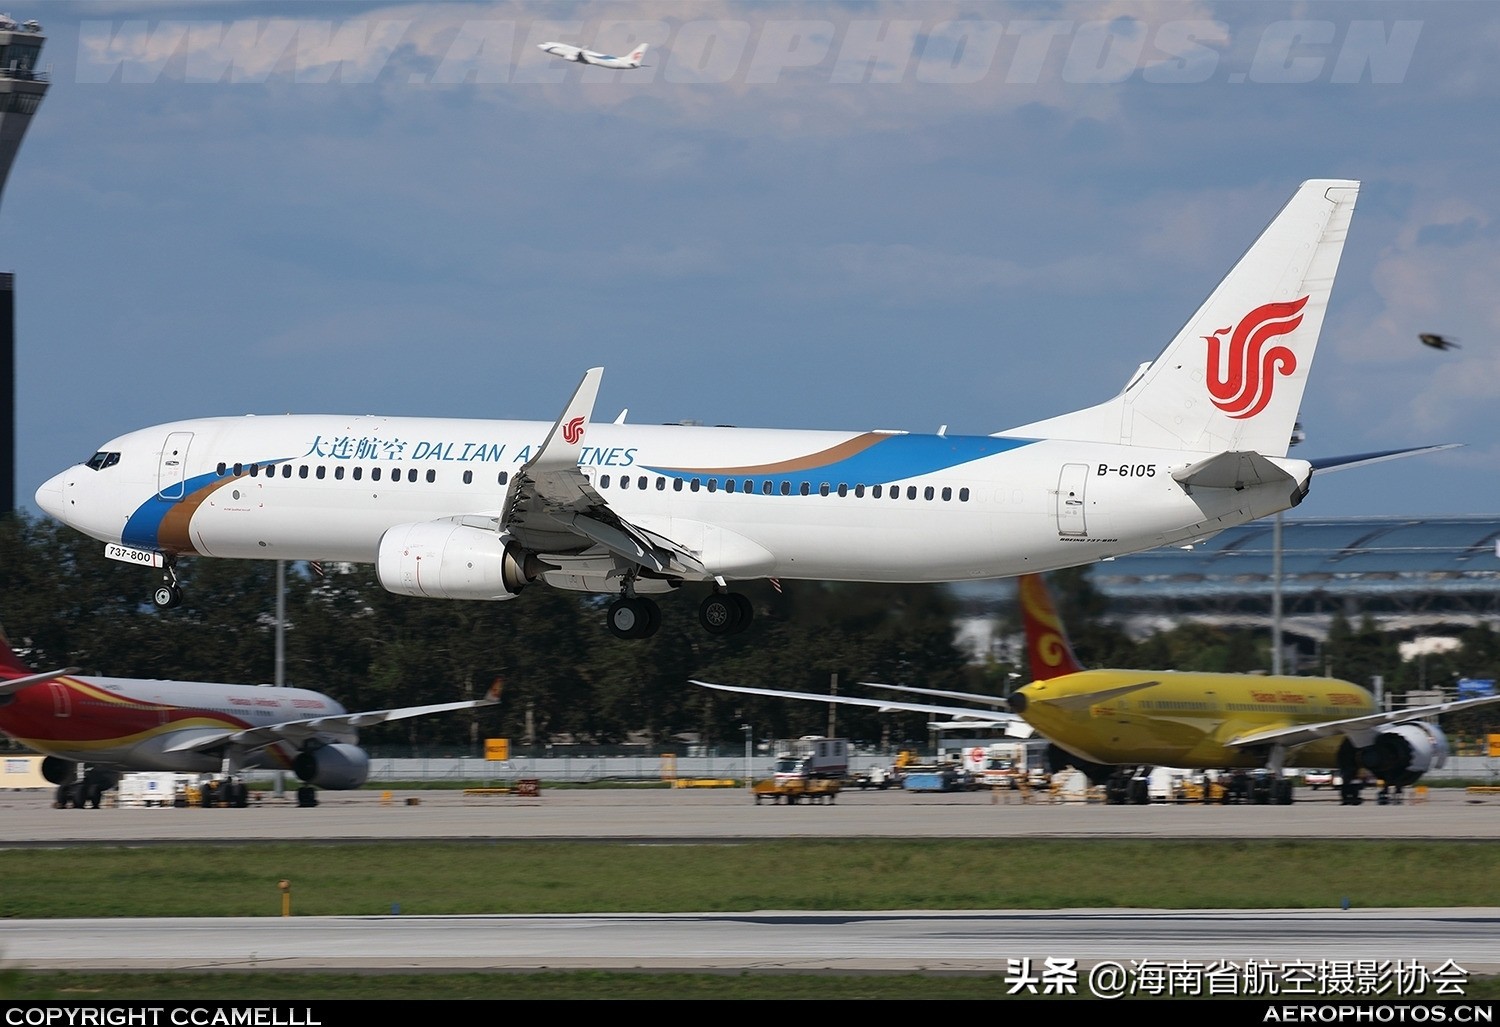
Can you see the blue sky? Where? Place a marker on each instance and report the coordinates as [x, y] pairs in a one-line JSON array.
[[802, 214]]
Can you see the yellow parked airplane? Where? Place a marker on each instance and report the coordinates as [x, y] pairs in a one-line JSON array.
[[1113, 723]]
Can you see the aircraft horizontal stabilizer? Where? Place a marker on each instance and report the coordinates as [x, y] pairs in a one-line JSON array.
[[1231, 471], [1343, 463], [1084, 700]]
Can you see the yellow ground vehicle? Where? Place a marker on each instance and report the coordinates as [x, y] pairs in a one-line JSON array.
[[795, 790]]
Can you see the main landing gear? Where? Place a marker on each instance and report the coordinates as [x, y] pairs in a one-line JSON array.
[[722, 613], [725, 613], [168, 596]]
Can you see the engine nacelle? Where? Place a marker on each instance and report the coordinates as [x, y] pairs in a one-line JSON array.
[[1403, 753], [58, 771], [338, 766], [448, 560]]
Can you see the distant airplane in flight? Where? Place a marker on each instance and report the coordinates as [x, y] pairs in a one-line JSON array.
[[602, 60], [478, 509], [1437, 341], [110, 726], [1110, 724]]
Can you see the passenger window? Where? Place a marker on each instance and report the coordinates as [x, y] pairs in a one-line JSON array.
[[947, 494], [927, 492], [823, 489], [805, 488], [604, 481], [286, 470], [374, 474], [713, 484], [468, 477], [237, 469], [875, 491], [676, 484], [411, 475], [694, 486], [222, 469], [963, 495], [338, 473], [786, 488], [301, 471], [728, 484], [661, 484], [358, 473], [843, 489], [640, 482], [911, 492], [431, 475], [253, 469], [859, 492], [322, 472], [765, 488], [504, 477]]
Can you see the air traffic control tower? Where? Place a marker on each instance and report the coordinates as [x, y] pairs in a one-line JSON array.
[[22, 86]]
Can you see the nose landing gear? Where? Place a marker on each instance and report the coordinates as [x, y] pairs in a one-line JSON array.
[[168, 596]]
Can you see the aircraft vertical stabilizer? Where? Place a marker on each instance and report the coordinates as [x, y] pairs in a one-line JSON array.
[[1232, 379]]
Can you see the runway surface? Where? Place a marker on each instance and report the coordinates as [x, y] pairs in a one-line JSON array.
[[690, 814], [972, 941]]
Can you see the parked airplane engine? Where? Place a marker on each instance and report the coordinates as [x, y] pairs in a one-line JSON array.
[[58, 771], [337, 766], [1403, 753], [451, 560]]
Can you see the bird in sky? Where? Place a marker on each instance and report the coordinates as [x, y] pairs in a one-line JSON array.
[[1437, 341]]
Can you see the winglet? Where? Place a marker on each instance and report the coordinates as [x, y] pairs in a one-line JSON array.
[[564, 443], [493, 695]]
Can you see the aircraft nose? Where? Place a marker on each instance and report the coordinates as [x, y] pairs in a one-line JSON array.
[[51, 496]]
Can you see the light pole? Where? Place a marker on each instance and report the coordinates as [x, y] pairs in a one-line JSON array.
[[750, 784]]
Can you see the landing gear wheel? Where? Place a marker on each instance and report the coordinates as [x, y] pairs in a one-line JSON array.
[[167, 597], [720, 614], [747, 610], [633, 617]]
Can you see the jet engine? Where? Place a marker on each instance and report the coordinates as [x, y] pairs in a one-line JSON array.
[[1403, 753], [449, 560], [337, 766], [58, 771]]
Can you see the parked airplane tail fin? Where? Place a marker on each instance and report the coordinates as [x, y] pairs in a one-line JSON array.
[[10, 664], [1232, 379], [1046, 640]]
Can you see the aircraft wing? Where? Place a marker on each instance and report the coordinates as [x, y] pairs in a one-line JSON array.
[[14, 685], [981, 718], [1359, 729], [975, 697], [300, 730], [550, 507]]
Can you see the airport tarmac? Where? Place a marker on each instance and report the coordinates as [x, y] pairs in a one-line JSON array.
[[911, 940], [717, 814]]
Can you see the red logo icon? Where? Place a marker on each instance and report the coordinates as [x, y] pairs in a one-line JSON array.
[[1241, 382], [573, 431]]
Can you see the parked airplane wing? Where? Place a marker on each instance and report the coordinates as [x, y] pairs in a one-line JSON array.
[[14, 685], [986, 718], [1357, 728], [301, 730], [975, 697]]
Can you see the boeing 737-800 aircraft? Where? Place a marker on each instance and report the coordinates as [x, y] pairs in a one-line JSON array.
[[472, 509]]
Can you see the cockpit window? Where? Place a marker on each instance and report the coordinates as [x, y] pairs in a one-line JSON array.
[[100, 460]]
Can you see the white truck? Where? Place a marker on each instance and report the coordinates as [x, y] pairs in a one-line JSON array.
[[812, 758], [1005, 764]]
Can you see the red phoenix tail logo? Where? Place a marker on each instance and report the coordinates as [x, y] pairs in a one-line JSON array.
[[1241, 382], [573, 431]]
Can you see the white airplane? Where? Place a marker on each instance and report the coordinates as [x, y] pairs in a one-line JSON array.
[[477, 509], [109, 726], [602, 60]]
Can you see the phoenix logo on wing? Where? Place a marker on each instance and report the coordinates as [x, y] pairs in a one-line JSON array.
[[1241, 380]]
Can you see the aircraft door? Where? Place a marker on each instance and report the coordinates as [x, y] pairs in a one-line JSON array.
[[1070, 510], [171, 473]]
